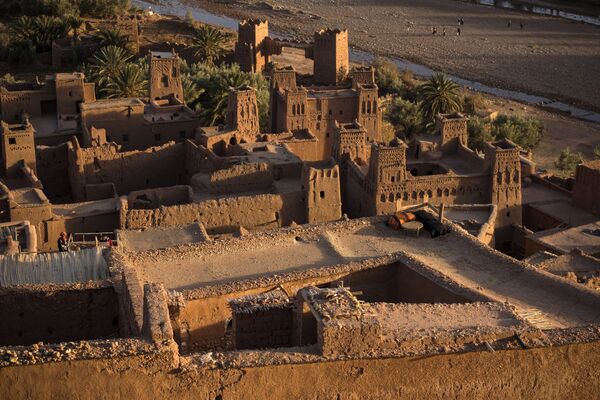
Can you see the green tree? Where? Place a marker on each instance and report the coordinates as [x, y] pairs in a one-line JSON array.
[[106, 64], [112, 37], [129, 81], [526, 132], [40, 31], [216, 82], [387, 77], [567, 161], [480, 132], [209, 43], [191, 91], [405, 116], [438, 95]]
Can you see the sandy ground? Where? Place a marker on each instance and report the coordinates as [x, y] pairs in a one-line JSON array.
[[550, 56]]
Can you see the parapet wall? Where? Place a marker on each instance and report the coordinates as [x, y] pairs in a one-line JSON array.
[[257, 211]]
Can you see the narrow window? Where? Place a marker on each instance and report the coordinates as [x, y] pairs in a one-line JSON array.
[[12, 140], [322, 194]]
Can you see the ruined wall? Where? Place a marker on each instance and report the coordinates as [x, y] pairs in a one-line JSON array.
[[261, 329], [551, 372], [155, 198], [255, 212], [136, 170], [241, 178], [57, 315], [53, 166]]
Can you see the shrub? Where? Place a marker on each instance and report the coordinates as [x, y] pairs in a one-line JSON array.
[[480, 132], [567, 162], [405, 116], [526, 132], [387, 77]]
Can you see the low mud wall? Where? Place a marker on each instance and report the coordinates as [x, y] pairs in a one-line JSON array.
[[553, 372], [259, 211], [57, 314]]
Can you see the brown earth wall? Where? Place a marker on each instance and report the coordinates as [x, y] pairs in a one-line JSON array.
[[259, 211], [554, 372]]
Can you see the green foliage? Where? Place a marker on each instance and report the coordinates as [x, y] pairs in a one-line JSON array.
[[106, 64], [41, 31], [596, 152], [216, 81], [480, 132], [112, 37], [392, 81], [129, 81], [59, 8], [22, 52], [438, 95], [567, 161], [209, 43], [191, 91], [405, 116], [526, 132]]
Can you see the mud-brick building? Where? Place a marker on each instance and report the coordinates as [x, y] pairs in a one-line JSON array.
[[319, 108], [384, 178]]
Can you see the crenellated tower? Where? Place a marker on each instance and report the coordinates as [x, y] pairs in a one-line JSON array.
[[331, 56], [242, 112], [321, 185], [250, 49]]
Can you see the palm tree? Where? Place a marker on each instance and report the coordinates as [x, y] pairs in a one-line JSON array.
[[41, 30], [191, 91], [439, 95], [130, 81], [107, 63], [209, 43], [112, 37]]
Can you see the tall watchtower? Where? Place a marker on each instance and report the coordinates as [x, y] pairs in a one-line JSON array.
[[504, 166], [369, 114], [250, 49], [165, 76], [18, 148], [242, 111], [331, 56]]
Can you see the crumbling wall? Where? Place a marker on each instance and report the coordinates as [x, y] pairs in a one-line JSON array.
[[52, 169], [57, 314], [241, 178], [258, 211], [155, 198]]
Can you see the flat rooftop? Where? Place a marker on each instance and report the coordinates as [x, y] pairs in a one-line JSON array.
[[579, 237], [263, 152], [542, 299], [111, 103], [87, 208]]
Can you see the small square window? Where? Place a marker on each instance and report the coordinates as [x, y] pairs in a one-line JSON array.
[[12, 140], [341, 112], [322, 194], [330, 112], [157, 136], [126, 138], [182, 135]]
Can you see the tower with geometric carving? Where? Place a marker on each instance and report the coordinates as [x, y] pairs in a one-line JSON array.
[[453, 130], [504, 164], [387, 173], [242, 112], [18, 148], [165, 76]]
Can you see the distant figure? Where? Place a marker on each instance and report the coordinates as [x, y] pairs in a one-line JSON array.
[[433, 30], [457, 31], [509, 23], [521, 24], [107, 240], [444, 32], [62, 242], [461, 21]]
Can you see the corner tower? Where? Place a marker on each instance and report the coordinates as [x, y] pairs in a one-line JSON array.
[[331, 56], [165, 76], [250, 49]]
